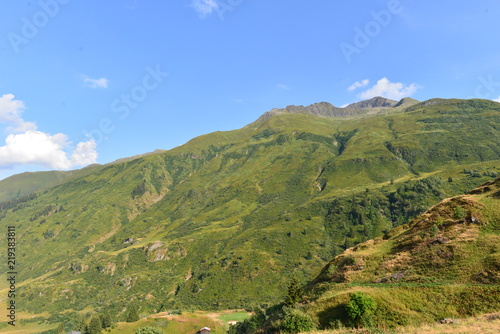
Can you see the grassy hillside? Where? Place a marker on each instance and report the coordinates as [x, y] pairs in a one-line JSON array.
[[226, 220], [442, 265], [22, 184]]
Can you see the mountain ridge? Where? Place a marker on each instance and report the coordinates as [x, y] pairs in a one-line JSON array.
[[368, 107]]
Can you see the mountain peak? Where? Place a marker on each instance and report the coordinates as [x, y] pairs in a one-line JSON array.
[[375, 102], [317, 109], [406, 102]]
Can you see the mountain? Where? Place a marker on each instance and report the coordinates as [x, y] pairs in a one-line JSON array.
[[372, 106], [444, 264], [226, 220], [374, 103]]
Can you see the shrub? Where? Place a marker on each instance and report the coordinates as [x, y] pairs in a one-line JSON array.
[[459, 212], [296, 321], [434, 230], [148, 330], [336, 324], [360, 308]]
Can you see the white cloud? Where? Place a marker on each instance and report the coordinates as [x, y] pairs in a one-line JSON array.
[[25, 145], [84, 154], [358, 84], [95, 83], [282, 87], [38, 148], [389, 90], [204, 7], [10, 114], [497, 100]]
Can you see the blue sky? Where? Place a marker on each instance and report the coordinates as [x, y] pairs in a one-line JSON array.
[[97, 80]]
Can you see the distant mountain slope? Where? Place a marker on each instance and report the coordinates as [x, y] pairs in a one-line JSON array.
[[21, 184], [375, 102], [227, 219], [406, 102]]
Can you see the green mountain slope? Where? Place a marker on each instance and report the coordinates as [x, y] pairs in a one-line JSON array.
[[25, 183], [443, 264], [22, 184], [227, 219]]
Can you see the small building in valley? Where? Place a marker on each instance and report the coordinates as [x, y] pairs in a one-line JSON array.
[[204, 330]]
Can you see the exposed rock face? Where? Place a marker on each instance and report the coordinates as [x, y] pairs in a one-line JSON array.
[[317, 109], [159, 251], [375, 102], [78, 268], [449, 321], [128, 241], [325, 109], [155, 252]]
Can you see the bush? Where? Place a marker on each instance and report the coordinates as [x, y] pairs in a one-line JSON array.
[[434, 230], [148, 330], [296, 321], [459, 212], [360, 308]]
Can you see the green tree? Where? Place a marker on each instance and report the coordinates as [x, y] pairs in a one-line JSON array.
[[360, 308], [106, 321], [132, 314], [294, 293], [95, 325], [83, 327], [148, 330]]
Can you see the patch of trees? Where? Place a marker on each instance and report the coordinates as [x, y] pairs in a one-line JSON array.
[[368, 214], [477, 173], [49, 209], [139, 190], [6, 205], [287, 317]]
